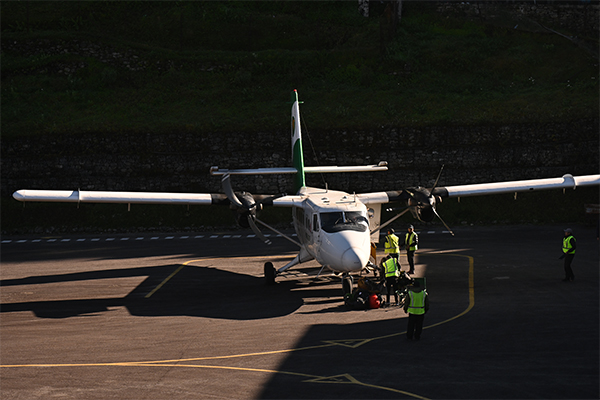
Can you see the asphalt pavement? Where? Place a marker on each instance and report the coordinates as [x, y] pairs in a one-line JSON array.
[[188, 316]]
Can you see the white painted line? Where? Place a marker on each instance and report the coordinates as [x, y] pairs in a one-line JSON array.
[[81, 240], [198, 237], [184, 237], [109, 239], [154, 238], [6, 241], [139, 238], [169, 237], [124, 238], [65, 240]]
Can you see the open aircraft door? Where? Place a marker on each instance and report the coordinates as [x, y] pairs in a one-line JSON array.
[[374, 215]]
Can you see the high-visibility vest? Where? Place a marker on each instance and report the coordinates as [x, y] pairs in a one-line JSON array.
[[391, 268], [411, 241], [567, 247], [417, 302], [391, 244]]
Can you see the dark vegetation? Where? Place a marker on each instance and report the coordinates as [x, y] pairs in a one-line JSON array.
[[103, 66]]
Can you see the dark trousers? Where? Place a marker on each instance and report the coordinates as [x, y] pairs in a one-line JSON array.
[[410, 255], [391, 283], [568, 270], [415, 326]]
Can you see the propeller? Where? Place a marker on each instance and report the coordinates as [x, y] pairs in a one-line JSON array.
[[244, 208], [422, 203]]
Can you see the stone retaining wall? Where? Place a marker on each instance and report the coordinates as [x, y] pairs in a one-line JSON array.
[[180, 162]]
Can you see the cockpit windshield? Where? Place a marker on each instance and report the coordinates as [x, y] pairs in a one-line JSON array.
[[341, 221]]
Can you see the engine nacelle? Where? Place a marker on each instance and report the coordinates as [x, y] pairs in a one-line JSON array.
[[422, 204], [249, 208]]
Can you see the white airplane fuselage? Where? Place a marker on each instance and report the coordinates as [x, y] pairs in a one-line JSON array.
[[333, 229]]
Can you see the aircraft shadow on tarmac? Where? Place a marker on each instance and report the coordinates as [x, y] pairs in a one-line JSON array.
[[193, 291]]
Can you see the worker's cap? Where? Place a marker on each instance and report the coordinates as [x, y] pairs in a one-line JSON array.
[[391, 230], [568, 230], [411, 227]]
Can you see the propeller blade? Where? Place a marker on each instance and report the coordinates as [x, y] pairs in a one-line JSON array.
[[229, 191], [447, 227], [437, 180], [257, 231]]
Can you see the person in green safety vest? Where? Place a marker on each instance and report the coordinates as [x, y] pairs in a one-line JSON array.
[[568, 248], [391, 245], [416, 305], [411, 243], [391, 271]]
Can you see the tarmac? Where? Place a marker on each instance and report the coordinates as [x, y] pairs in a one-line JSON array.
[[188, 316]]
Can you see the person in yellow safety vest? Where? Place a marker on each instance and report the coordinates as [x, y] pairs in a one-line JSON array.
[[568, 248], [411, 243], [391, 270], [391, 245], [416, 305]]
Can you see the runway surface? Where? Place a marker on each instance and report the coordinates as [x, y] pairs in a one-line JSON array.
[[189, 317]]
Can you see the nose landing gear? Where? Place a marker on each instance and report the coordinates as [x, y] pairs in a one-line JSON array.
[[347, 283]]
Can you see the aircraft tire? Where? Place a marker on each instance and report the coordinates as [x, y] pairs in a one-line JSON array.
[[269, 273]]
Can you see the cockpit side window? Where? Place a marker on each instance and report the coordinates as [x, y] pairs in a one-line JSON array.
[[340, 221]]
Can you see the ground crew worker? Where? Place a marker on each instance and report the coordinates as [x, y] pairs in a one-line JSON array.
[[391, 270], [391, 244], [568, 248], [416, 305], [411, 243]]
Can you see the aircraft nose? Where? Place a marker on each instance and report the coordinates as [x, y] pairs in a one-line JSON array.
[[352, 260]]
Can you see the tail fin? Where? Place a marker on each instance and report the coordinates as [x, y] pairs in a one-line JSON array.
[[297, 154], [298, 169]]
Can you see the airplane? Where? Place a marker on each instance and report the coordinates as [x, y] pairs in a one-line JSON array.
[[334, 228]]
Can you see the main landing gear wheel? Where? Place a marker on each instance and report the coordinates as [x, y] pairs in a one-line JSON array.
[[347, 284], [269, 273]]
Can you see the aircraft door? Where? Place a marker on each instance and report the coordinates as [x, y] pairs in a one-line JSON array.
[[374, 214], [316, 231]]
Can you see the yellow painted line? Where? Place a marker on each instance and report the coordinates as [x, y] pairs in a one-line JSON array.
[[360, 342], [165, 281], [471, 292], [168, 278], [347, 379], [264, 353]]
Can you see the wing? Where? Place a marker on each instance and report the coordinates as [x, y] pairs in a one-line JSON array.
[[565, 182], [80, 196]]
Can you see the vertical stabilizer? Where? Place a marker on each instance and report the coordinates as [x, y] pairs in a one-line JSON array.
[[297, 155]]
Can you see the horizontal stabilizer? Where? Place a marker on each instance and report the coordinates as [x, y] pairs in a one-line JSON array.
[[256, 171], [382, 166]]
